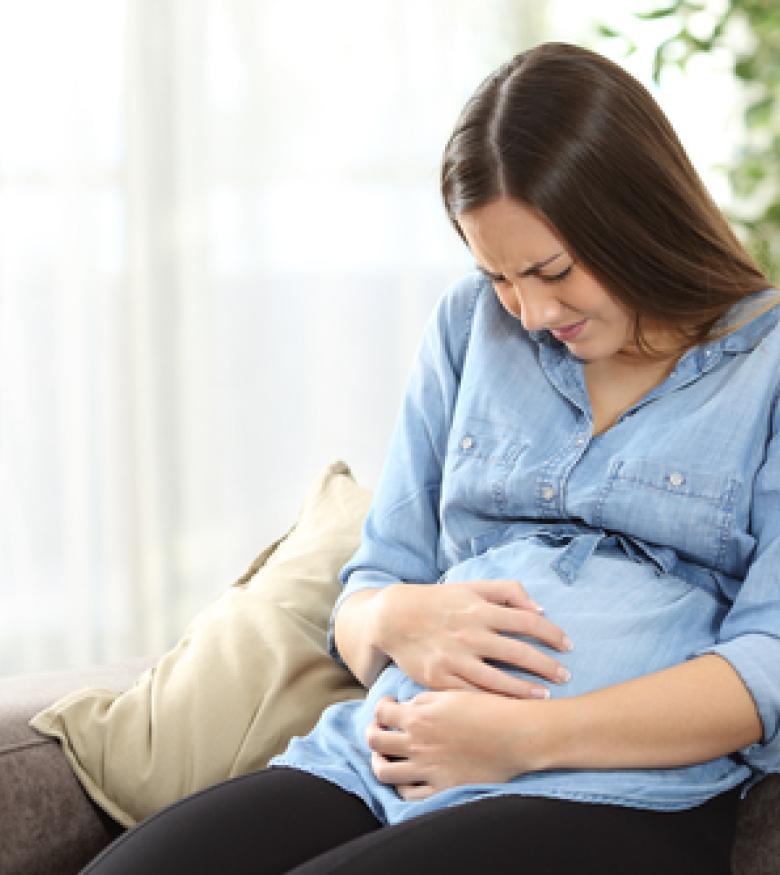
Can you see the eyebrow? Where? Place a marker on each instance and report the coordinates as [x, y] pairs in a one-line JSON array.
[[534, 268]]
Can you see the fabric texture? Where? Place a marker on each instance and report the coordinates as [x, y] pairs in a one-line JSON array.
[[650, 543], [49, 825], [250, 671], [312, 827]]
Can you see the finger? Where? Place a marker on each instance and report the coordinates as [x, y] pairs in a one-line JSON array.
[[387, 742], [461, 682], [465, 682], [529, 624], [394, 772], [506, 592], [488, 678], [526, 657], [389, 713], [414, 792]]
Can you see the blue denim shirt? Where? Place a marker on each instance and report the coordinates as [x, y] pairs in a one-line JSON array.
[[651, 543]]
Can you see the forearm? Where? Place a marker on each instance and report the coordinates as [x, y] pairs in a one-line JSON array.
[[355, 633], [687, 714]]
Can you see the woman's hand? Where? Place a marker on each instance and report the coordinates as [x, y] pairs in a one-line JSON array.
[[443, 739], [442, 635]]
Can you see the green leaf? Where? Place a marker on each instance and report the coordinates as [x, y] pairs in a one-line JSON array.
[[660, 59], [772, 214], [658, 62], [759, 114], [694, 43], [745, 69], [608, 32], [659, 13]]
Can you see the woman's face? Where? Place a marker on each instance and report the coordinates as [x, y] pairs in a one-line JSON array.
[[537, 281]]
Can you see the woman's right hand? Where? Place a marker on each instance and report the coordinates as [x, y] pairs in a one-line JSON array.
[[441, 635]]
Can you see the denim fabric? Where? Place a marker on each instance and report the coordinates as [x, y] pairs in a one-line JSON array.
[[653, 542]]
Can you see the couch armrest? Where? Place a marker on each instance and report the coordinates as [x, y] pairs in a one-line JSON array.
[[49, 824], [757, 843]]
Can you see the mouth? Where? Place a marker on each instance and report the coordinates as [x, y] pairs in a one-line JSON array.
[[568, 332]]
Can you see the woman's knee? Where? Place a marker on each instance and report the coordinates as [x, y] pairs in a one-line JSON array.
[[266, 821]]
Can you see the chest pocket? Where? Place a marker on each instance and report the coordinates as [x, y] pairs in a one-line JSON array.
[[480, 457], [687, 508]]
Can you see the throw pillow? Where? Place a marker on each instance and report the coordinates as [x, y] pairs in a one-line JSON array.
[[250, 671]]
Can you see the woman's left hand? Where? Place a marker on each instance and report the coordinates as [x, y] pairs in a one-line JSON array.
[[444, 738]]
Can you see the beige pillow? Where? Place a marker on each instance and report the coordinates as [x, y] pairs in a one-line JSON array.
[[250, 671]]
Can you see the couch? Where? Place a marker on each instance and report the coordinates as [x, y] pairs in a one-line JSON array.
[[49, 826]]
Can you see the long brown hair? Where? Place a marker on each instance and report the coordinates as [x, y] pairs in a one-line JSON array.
[[581, 142]]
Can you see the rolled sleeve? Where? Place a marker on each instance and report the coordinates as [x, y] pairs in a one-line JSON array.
[[749, 637], [401, 534], [756, 659]]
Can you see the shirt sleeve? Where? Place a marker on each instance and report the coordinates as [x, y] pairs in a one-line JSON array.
[[750, 634], [401, 532]]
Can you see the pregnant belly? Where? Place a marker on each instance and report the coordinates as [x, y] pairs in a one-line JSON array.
[[624, 618]]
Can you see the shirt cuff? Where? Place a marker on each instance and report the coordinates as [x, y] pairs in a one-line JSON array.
[[755, 657], [358, 581]]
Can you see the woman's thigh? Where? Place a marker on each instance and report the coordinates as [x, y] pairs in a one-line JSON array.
[[266, 822], [533, 836]]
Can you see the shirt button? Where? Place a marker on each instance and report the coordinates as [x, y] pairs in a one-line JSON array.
[[676, 478], [467, 443], [579, 442], [548, 493]]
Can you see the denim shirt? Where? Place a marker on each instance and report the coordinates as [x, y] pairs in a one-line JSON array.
[[653, 542]]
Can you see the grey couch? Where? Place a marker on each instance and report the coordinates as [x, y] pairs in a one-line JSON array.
[[49, 826]]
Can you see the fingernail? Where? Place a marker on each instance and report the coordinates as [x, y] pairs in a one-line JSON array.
[[567, 643], [540, 693], [562, 675], [537, 607]]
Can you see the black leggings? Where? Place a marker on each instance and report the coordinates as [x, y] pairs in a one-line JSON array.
[[284, 820]]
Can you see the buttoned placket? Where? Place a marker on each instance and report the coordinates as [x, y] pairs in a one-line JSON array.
[[566, 375], [567, 378]]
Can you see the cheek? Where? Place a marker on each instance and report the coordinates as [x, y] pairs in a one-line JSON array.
[[619, 319], [590, 297], [619, 327], [508, 301]]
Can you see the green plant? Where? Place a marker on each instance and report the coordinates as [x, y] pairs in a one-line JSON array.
[[754, 175]]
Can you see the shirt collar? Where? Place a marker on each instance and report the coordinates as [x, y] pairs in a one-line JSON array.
[[748, 336]]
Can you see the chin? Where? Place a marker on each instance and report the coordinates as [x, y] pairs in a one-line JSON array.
[[580, 351], [588, 351]]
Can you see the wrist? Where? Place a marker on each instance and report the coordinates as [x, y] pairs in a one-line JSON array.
[[549, 734], [386, 617], [355, 631]]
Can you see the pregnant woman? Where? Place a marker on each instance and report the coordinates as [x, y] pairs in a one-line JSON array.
[[566, 602]]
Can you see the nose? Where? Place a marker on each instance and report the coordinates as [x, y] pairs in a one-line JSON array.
[[536, 309]]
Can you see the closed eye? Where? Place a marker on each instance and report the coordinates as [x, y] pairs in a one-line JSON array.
[[499, 280], [556, 278], [496, 279]]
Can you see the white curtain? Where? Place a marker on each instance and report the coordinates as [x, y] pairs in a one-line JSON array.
[[220, 236]]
